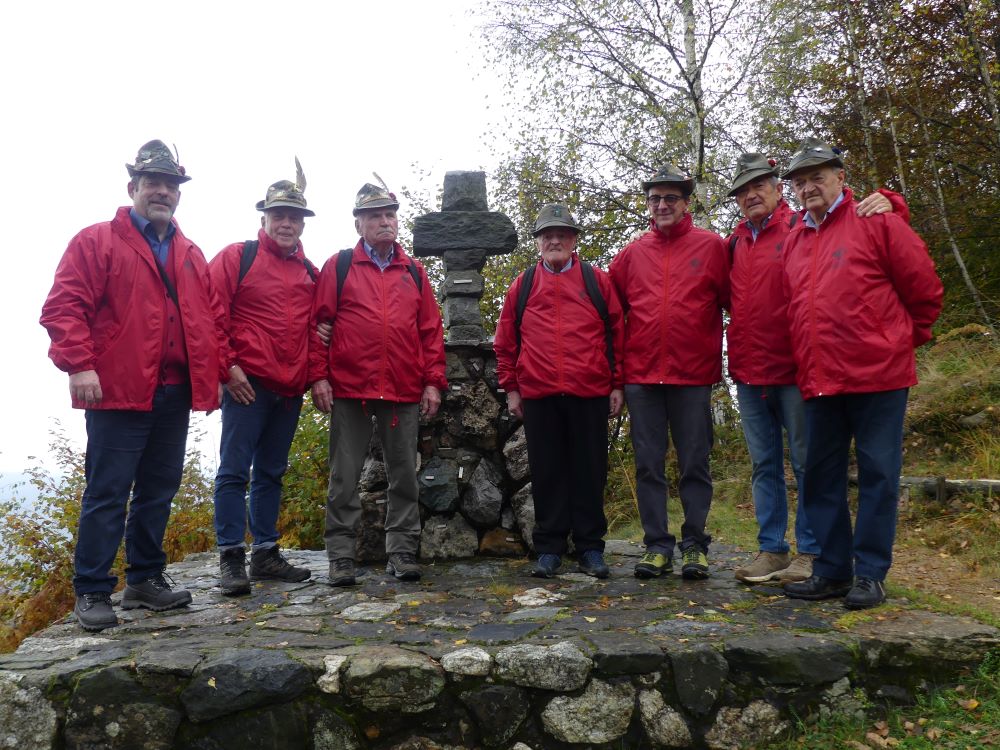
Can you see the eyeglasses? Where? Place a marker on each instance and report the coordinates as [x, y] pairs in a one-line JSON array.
[[670, 200]]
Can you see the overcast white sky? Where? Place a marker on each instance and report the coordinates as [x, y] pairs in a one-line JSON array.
[[240, 88]]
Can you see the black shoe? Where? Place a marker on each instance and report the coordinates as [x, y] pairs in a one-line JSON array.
[[93, 611], [342, 572], [865, 593], [233, 572], [592, 563], [546, 566], [268, 565], [154, 593], [817, 587], [404, 566]]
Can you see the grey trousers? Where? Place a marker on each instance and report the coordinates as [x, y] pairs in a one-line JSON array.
[[686, 412], [350, 434]]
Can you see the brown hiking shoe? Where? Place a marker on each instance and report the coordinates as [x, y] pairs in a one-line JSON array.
[[269, 564], [404, 566], [764, 567], [799, 569]]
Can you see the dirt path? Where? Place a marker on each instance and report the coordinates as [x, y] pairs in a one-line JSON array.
[[931, 571]]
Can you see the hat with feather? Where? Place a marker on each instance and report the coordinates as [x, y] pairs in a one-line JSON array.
[[285, 194]]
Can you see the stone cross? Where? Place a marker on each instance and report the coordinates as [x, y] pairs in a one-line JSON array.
[[464, 232]]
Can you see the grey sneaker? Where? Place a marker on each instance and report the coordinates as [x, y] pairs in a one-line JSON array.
[[800, 569], [268, 565], [94, 612], [764, 567], [342, 572], [233, 577], [404, 566], [155, 593]]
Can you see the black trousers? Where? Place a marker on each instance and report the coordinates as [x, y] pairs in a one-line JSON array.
[[568, 457]]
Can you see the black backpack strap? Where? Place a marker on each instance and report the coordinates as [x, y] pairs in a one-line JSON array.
[[247, 256], [601, 305], [310, 268], [527, 280], [732, 248], [171, 289], [792, 221], [343, 266], [415, 273]]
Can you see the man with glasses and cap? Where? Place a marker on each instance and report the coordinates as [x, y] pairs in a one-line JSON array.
[[558, 345], [761, 363], [862, 295], [134, 323], [385, 360], [266, 287], [673, 282]]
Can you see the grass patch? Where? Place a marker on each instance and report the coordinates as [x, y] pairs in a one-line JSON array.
[[964, 717]]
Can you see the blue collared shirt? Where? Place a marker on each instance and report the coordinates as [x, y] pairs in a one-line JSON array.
[[754, 230], [160, 248], [809, 219], [382, 265], [564, 269]]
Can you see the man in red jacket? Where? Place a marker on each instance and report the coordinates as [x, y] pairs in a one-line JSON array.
[[385, 360], [763, 367], [559, 360], [266, 287], [862, 294], [134, 323], [673, 282]]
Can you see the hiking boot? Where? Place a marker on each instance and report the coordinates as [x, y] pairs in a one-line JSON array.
[[342, 572], [654, 564], [404, 566], [546, 565], [865, 593], [94, 612], [764, 567], [694, 563], [267, 564], [799, 569], [155, 593], [233, 578], [592, 563], [817, 587]]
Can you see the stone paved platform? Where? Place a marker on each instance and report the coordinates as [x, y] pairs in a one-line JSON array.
[[477, 654]]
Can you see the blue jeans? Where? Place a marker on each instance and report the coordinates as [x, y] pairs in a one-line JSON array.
[[683, 412], [258, 435], [875, 422], [130, 452], [764, 411]]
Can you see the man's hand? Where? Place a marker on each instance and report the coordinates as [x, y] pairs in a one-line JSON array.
[[86, 387], [322, 395], [514, 404], [239, 387], [876, 203], [617, 401], [430, 401], [324, 330]]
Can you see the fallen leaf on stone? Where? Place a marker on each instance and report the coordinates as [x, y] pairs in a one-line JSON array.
[[683, 640], [211, 682], [684, 616], [413, 603], [461, 641], [970, 705], [262, 623], [692, 604], [590, 619]]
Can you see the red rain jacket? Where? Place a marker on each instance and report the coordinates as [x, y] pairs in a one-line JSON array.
[[758, 343], [563, 342], [673, 287], [267, 314], [387, 341], [862, 294], [107, 308]]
